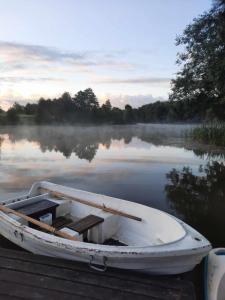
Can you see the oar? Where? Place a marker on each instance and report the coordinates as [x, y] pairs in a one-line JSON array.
[[38, 223], [103, 207]]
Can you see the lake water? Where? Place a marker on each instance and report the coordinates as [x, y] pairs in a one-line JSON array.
[[140, 163]]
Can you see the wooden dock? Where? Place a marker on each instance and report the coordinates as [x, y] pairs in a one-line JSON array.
[[27, 276]]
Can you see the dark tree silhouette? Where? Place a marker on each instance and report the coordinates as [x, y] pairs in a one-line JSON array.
[[107, 106], [200, 82], [12, 116], [30, 108], [86, 100], [128, 114]]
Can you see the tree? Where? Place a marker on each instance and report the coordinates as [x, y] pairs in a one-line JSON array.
[[128, 114], [30, 108], [64, 108], [43, 114], [86, 100], [203, 61], [117, 115], [12, 116], [107, 106], [18, 108], [106, 112]]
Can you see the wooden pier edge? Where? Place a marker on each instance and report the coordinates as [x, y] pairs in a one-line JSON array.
[[27, 276]]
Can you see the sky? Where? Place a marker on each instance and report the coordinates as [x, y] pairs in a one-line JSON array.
[[123, 49]]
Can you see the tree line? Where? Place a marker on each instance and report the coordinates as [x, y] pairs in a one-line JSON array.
[[82, 108], [85, 108]]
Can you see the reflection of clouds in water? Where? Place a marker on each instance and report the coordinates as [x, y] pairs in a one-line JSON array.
[[20, 179], [15, 172]]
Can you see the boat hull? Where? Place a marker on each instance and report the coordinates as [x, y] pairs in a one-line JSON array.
[[182, 249], [161, 263]]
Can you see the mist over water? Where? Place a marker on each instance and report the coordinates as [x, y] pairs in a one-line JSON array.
[[133, 162]]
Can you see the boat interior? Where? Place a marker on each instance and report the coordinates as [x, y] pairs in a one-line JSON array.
[[94, 225]]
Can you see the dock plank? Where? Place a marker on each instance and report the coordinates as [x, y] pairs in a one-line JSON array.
[[25, 291], [41, 277], [82, 278]]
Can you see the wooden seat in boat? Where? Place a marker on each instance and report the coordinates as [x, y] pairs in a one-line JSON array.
[[38, 209], [83, 225]]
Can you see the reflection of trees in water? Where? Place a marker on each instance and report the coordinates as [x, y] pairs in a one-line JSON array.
[[200, 199], [82, 150], [209, 153], [84, 141], [83, 144]]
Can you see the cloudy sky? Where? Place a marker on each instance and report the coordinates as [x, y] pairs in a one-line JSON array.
[[123, 49]]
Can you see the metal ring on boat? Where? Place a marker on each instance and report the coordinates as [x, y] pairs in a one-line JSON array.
[[16, 233], [100, 269]]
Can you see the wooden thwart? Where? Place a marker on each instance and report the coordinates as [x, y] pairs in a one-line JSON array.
[[38, 223], [83, 225], [103, 207]]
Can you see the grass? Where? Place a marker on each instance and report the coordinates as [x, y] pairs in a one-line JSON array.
[[213, 133]]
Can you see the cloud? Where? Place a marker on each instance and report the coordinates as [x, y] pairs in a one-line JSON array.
[[14, 53], [36, 52], [134, 100], [138, 80], [9, 96], [14, 79]]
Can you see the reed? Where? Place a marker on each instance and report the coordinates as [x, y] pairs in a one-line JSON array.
[[211, 133]]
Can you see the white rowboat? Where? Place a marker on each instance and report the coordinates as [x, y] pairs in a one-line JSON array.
[[101, 230]]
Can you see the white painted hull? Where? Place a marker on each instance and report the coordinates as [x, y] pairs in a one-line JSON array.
[[215, 279], [171, 257]]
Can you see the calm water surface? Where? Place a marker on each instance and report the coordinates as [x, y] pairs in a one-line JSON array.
[[150, 164]]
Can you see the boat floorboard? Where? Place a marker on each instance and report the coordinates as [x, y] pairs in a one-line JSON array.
[[27, 276]]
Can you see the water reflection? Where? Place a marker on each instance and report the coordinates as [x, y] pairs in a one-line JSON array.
[[207, 152], [84, 142], [200, 198], [1, 142]]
